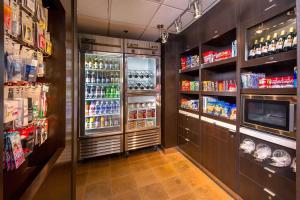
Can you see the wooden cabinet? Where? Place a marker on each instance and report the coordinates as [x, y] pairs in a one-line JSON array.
[[189, 136], [218, 153], [219, 20]]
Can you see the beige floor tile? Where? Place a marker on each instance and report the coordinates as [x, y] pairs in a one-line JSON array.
[[123, 184], [188, 196], [99, 176], [119, 171], [81, 179], [175, 186], [154, 192], [130, 195], [140, 166], [101, 191], [181, 166], [145, 178], [157, 161], [165, 171]]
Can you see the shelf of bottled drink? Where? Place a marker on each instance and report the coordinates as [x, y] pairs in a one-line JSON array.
[[139, 119]]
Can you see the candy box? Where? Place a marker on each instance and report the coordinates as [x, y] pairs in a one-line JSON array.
[[222, 55], [208, 57], [183, 62], [185, 85]]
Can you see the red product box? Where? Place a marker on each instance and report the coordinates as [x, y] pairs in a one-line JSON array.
[[185, 85], [208, 57], [183, 63], [223, 55], [264, 83]]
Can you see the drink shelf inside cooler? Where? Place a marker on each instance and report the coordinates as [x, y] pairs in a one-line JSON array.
[[139, 119], [100, 115], [133, 109], [104, 99], [103, 70], [106, 127], [110, 84]]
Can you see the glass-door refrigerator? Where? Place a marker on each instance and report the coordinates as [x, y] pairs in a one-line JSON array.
[[101, 97], [142, 95]]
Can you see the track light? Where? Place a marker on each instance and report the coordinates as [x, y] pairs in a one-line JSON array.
[[178, 24], [163, 33], [196, 7]]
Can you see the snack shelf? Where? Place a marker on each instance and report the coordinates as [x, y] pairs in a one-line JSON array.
[[225, 62], [223, 119], [271, 59], [270, 91], [193, 69], [189, 92], [189, 110], [212, 93]]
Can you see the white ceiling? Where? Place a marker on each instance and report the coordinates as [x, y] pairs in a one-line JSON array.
[[139, 17]]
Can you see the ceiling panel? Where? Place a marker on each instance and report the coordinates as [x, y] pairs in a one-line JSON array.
[[93, 8], [181, 4], [165, 15], [117, 29], [91, 25], [137, 12], [151, 34]]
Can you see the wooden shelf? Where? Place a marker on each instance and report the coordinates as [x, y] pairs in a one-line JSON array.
[[268, 60], [189, 110], [189, 92], [223, 119], [226, 62], [193, 69], [225, 94], [292, 91]]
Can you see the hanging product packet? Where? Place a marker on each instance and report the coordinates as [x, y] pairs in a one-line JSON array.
[[29, 5], [27, 29], [15, 20], [14, 152], [7, 16]]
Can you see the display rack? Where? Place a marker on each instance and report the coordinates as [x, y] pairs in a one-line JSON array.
[[25, 181]]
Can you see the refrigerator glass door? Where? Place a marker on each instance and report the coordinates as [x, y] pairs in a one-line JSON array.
[[142, 74], [142, 113], [103, 93]]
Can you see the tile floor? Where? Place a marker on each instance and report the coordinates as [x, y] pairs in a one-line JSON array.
[[145, 175]]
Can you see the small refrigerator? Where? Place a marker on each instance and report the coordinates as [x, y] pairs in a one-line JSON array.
[[142, 95], [101, 96]]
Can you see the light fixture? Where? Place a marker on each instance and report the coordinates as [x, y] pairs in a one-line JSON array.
[[196, 7], [164, 34], [178, 24], [260, 29]]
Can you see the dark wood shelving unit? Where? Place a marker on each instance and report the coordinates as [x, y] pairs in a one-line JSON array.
[[222, 119], [224, 94], [221, 63], [189, 92], [270, 91], [193, 69], [272, 59], [190, 111]]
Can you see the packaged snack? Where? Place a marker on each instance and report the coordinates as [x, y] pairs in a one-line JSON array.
[[183, 63], [208, 57]]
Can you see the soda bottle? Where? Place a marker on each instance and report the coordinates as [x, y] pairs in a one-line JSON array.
[[113, 107], [93, 92], [117, 65], [108, 107], [86, 62], [87, 91], [101, 65], [101, 92], [92, 109], [107, 78], [97, 123], [103, 108], [107, 92], [87, 77], [89, 60], [117, 78], [105, 122], [98, 80], [117, 106], [97, 112], [116, 121], [93, 77], [112, 78], [87, 123], [102, 77], [92, 122], [110, 123], [105, 64], [110, 64], [87, 108], [112, 91], [117, 92], [102, 122]]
